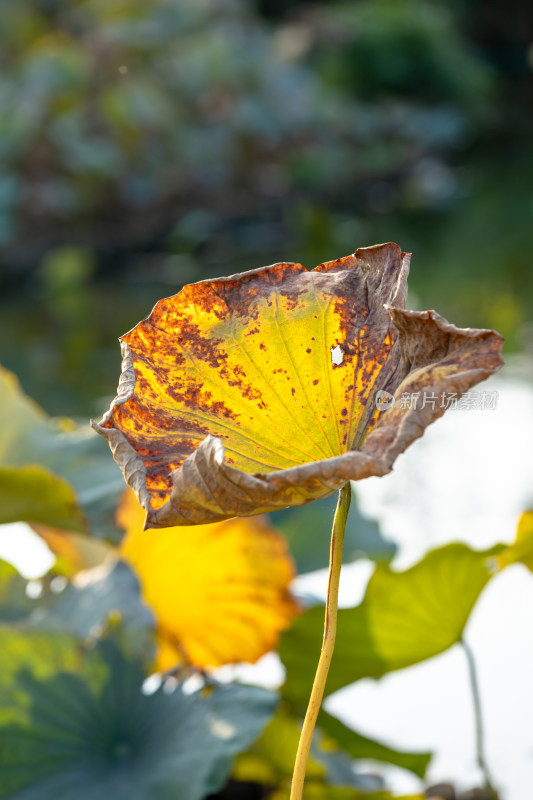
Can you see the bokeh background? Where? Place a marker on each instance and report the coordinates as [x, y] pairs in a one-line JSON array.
[[147, 145]]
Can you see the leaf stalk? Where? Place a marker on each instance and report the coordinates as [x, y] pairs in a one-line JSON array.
[[328, 642]]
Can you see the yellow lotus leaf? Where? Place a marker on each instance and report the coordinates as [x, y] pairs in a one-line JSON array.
[[219, 592], [274, 387]]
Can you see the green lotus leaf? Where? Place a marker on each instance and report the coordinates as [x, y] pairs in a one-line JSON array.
[[359, 746], [113, 740], [52, 470], [32, 493], [42, 654], [404, 618]]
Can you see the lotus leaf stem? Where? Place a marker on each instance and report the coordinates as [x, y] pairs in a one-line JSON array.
[[328, 642]]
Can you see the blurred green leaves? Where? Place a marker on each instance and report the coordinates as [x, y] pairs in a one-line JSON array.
[[110, 114], [75, 716], [15, 604], [270, 760], [404, 618], [32, 493], [361, 747], [410, 49], [102, 599], [51, 470], [109, 738]]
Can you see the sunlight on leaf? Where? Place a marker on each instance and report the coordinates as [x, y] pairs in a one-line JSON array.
[[219, 592], [259, 391]]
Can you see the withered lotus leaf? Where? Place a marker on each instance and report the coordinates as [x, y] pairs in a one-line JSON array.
[[259, 391]]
